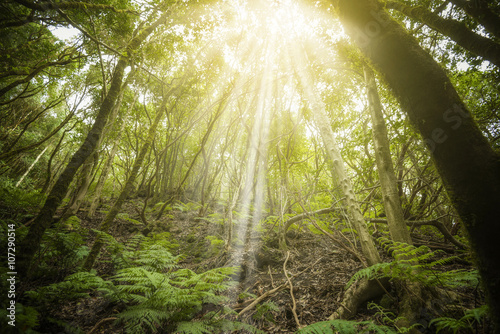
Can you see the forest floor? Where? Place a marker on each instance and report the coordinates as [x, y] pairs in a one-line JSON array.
[[321, 272]]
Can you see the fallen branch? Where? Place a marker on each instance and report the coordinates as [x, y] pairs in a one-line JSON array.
[[436, 223], [260, 298], [305, 215]]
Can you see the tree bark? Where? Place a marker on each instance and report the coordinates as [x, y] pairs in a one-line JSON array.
[[457, 31], [338, 170], [482, 13], [469, 167], [387, 176]]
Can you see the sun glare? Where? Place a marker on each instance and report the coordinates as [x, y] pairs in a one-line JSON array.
[[269, 48]]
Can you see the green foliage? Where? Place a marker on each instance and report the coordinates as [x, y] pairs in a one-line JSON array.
[[346, 327], [151, 253], [215, 218], [216, 244], [186, 207], [159, 205], [159, 297], [155, 292], [126, 217], [414, 264], [215, 323], [73, 287], [63, 248], [390, 319], [16, 197], [264, 311], [466, 322]]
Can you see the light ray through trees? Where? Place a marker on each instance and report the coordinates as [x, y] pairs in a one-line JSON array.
[[261, 43]]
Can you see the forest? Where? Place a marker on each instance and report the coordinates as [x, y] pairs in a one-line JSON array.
[[250, 166]]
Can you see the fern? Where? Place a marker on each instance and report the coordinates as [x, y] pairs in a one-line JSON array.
[[157, 295], [345, 327], [264, 311], [413, 264], [160, 295], [466, 322], [194, 327], [378, 270], [75, 286]]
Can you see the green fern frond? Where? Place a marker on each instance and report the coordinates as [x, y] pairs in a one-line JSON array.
[[376, 271], [194, 327], [345, 327]]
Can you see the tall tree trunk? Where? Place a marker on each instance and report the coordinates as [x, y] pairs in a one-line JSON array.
[[337, 164], [387, 176], [469, 167], [86, 179], [31, 167], [457, 31], [482, 13], [367, 245], [31, 243], [127, 189]]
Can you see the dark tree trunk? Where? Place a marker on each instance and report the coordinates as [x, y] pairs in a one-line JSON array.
[[482, 13], [457, 31], [469, 167]]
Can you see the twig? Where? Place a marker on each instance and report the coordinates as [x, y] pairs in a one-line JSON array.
[[261, 297], [271, 275], [342, 245], [294, 304], [434, 222]]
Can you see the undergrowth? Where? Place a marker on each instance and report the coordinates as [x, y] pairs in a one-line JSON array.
[[411, 264], [154, 293]]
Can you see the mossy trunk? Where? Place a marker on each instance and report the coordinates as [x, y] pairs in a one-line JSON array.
[[31, 243], [87, 171], [469, 167], [388, 181], [109, 160], [339, 173]]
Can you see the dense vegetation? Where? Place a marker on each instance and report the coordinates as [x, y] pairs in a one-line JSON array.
[[203, 166]]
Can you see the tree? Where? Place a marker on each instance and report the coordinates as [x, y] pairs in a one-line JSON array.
[[387, 176], [458, 31], [466, 162]]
